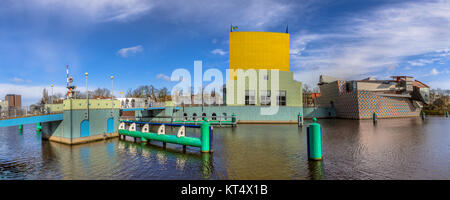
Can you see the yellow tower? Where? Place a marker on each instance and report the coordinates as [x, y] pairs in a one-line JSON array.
[[259, 50]]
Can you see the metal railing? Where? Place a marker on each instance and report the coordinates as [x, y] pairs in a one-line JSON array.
[[24, 111]]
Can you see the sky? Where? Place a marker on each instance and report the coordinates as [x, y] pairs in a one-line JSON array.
[[141, 42]]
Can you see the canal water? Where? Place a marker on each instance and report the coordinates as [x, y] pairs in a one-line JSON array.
[[406, 148]]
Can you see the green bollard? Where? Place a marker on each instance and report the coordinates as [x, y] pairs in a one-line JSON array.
[[374, 118], [446, 113], [38, 128], [233, 119], [20, 128], [143, 140], [314, 141], [300, 119], [204, 128], [422, 114]]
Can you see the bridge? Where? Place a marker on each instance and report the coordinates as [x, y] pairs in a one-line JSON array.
[[31, 119]]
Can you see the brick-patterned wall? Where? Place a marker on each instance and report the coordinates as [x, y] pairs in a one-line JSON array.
[[385, 107], [362, 104]]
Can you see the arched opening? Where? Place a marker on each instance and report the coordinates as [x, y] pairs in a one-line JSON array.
[[214, 116], [332, 104], [185, 116], [204, 116], [84, 128], [194, 116], [133, 103], [110, 125], [224, 116]]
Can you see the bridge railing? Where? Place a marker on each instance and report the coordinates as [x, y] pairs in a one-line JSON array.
[[142, 105], [24, 111]]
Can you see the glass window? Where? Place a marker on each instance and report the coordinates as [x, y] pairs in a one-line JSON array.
[[281, 98], [250, 98], [265, 98]]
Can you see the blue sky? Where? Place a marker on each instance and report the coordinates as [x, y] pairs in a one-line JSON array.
[[143, 41]]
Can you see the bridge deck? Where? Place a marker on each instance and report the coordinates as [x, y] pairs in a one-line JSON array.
[[31, 120]]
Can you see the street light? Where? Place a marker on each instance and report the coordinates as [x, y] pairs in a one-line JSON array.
[[51, 99], [87, 95], [112, 94]]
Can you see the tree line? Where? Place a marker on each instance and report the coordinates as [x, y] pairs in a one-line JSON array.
[[148, 91]]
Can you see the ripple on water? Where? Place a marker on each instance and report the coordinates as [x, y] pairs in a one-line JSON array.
[[391, 149]]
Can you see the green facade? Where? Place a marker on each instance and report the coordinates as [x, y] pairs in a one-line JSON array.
[[286, 82], [70, 126]]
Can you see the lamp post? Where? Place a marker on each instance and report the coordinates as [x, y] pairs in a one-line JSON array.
[[112, 94], [51, 99], [87, 96]]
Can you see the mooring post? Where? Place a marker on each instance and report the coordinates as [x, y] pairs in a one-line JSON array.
[[422, 114], [233, 119], [143, 140], [314, 141], [205, 136], [300, 120], [374, 117], [38, 128], [20, 128], [446, 113], [211, 131]]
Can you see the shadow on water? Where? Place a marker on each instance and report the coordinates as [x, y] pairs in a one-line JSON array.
[[122, 159]]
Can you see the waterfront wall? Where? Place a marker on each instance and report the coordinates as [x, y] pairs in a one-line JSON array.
[[79, 127], [245, 114], [385, 107], [361, 104]]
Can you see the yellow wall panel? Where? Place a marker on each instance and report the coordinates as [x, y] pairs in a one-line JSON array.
[[259, 50]]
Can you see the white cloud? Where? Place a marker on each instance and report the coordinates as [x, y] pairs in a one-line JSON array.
[[251, 14], [19, 80], [443, 84], [97, 11], [125, 52], [219, 51], [370, 42], [434, 71], [30, 94], [421, 62], [163, 76]]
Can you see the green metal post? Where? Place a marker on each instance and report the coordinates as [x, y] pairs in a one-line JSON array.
[[38, 127], [422, 114], [20, 128], [300, 119], [205, 127], [314, 141], [374, 118], [233, 119], [446, 113], [143, 140]]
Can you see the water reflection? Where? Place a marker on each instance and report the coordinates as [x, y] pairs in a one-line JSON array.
[[315, 170], [407, 148]]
